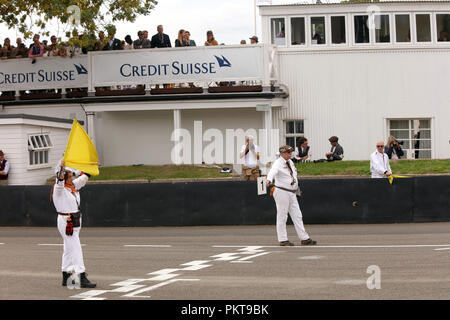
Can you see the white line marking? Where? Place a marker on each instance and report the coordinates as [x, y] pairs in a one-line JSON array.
[[353, 246], [253, 256], [227, 256], [196, 265], [135, 294], [128, 288], [1, 243], [442, 249], [54, 244], [311, 257], [147, 245], [128, 282], [354, 282], [90, 294]]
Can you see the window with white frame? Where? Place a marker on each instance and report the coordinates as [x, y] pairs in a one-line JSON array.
[[362, 33], [423, 27], [414, 136], [318, 30], [443, 27], [338, 32], [402, 28], [38, 148], [298, 31], [294, 131], [278, 32], [382, 28]]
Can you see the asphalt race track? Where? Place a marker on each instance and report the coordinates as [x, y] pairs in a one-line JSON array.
[[383, 261]]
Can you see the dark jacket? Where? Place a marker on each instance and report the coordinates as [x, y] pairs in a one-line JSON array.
[[398, 151], [160, 41], [116, 45], [338, 153]]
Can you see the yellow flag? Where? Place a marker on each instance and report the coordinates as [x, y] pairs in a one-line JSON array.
[[80, 152], [392, 176]]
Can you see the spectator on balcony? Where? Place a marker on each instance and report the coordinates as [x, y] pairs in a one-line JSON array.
[[128, 43], [75, 49], [53, 47], [36, 49], [6, 50], [181, 40], [146, 42], [210, 41], [187, 37], [20, 51], [113, 43], [160, 40], [101, 42], [62, 51], [137, 44], [243, 42], [254, 40], [4, 53]]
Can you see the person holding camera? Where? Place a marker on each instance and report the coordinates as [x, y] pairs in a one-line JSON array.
[[379, 162], [250, 153], [66, 199], [393, 148]]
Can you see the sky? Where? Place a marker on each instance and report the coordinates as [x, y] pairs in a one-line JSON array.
[[230, 20]]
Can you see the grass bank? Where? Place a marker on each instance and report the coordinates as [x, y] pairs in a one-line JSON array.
[[351, 168]]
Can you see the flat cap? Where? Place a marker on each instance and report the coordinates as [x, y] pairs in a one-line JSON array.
[[333, 139], [286, 149]]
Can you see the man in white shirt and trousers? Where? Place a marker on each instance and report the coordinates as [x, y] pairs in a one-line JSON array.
[[379, 162], [66, 198], [284, 173]]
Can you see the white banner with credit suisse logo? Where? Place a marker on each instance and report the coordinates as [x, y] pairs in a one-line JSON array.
[[45, 73], [175, 65]]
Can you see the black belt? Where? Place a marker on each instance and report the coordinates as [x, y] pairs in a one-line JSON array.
[[293, 191], [65, 214]]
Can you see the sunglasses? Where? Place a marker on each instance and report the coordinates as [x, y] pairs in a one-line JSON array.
[[380, 146]]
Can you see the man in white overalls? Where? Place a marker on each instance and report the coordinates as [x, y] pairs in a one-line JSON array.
[[284, 173], [66, 198]]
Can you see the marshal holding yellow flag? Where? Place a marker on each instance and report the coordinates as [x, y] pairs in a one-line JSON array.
[[81, 155], [80, 152]]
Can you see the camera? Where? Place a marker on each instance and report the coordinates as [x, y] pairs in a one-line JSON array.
[[399, 142]]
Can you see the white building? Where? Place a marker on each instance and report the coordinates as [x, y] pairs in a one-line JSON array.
[[32, 145], [363, 72], [359, 71]]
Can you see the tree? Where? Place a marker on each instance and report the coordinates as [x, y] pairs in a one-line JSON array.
[[79, 16]]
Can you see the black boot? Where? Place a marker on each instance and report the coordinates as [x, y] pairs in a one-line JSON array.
[[85, 283], [66, 275]]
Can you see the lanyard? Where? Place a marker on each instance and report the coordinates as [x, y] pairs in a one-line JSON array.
[[288, 165]]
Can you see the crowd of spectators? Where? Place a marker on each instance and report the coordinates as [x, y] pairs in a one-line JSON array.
[[81, 44]]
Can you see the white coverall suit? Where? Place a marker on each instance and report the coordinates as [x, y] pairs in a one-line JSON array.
[[67, 202], [286, 201]]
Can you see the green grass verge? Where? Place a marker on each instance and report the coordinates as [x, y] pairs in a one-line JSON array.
[[358, 168], [158, 172], [362, 168]]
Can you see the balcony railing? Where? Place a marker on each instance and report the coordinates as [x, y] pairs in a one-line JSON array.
[[143, 71]]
